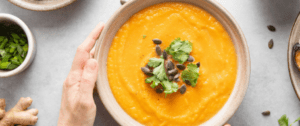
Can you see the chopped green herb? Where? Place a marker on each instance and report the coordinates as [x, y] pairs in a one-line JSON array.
[[180, 50], [284, 121], [191, 74], [169, 87], [144, 36], [155, 81], [13, 50]]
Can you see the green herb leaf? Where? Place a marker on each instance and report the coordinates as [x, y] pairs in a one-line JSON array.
[[3, 43], [191, 74], [144, 36], [154, 80], [169, 87], [15, 61], [4, 65], [2, 38], [154, 62], [283, 121], [15, 36], [12, 66], [19, 49], [180, 50], [25, 48], [160, 72], [295, 121]]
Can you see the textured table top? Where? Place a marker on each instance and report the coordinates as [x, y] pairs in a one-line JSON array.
[[58, 33]]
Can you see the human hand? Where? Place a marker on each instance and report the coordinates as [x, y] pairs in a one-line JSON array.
[[77, 105], [227, 124]]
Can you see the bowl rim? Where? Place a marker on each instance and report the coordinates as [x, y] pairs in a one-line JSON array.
[[239, 94], [31, 45], [34, 7]]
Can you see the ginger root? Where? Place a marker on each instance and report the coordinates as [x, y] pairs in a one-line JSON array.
[[18, 114]]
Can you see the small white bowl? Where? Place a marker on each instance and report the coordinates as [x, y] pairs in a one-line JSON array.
[[42, 5], [10, 19]]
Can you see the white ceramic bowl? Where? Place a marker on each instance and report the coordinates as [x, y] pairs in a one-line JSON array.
[[10, 19], [42, 5], [212, 7]]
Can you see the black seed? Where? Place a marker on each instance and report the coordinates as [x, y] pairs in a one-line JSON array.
[[165, 55], [271, 28], [177, 76], [270, 44], [191, 59], [170, 65], [266, 113], [180, 66], [157, 41], [123, 2], [182, 89], [158, 50], [159, 90], [177, 80], [173, 72], [146, 71], [187, 82], [171, 78], [198, 64]]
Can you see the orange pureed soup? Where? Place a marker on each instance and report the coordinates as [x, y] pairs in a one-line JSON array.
[[212, 46]]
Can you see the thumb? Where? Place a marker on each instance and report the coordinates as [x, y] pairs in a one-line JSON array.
[[89, 76]]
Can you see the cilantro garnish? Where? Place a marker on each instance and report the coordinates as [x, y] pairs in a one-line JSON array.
[[160, 76], [284, 121], [180, 50], [191, 74], [144, 36]]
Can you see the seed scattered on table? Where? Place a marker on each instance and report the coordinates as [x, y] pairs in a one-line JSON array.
[[191, 59], [157, 41], [271, 44], [123, 2], [266, 113], [158, 50], [182, 89], [271, 28], [180, 66]]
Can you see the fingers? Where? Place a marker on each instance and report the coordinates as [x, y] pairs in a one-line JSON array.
[[227, 124], [83, 51], [89, 77], [92, 53], [2, 103], [23, 103]]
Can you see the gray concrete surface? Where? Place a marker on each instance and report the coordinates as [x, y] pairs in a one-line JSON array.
[[58, 33]]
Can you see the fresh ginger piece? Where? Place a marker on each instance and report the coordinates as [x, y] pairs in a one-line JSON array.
[[19, 113], [2, 107]]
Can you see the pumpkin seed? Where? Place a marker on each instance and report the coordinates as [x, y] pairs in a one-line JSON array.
[[270, 44], [146, 71], [177, 80], [180, 66], [266, 113], [172, 72], [170, 65], [158, 50], [271, 28], [177, 76], [171, 78], [123, 2], [165, 55], [157, 41], [159, 90], [182, 89], [191, 59], [198, 64], [188, 82]]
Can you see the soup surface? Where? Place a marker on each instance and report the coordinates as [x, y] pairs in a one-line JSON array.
[[132, 48]]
